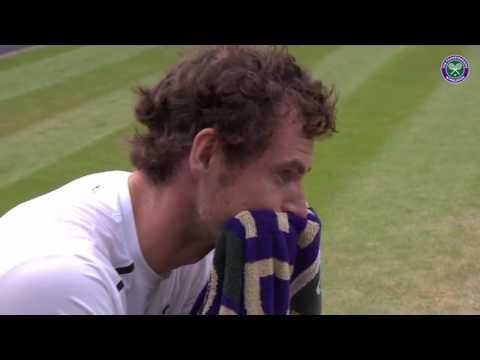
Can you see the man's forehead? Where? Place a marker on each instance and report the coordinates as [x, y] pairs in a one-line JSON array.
[[288, 146], [289, 140]]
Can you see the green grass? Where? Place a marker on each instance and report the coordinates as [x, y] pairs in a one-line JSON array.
[[397, 188], [70, 92], [109, 153], [35, 56], [393, 187]]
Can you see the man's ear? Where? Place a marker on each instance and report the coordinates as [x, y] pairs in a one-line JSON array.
[[203, 149]]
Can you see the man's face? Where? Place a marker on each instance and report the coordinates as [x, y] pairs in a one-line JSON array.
[[272, 181]]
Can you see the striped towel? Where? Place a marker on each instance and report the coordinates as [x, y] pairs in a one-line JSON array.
[[266, 263]]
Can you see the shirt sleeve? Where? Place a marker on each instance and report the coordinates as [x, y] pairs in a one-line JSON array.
[[58, 285]]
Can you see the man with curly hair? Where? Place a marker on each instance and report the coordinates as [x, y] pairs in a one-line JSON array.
[[227, 128]]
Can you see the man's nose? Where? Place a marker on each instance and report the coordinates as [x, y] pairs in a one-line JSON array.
[[298, 207]]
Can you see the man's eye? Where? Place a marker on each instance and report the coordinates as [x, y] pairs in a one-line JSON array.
[[286, 176]]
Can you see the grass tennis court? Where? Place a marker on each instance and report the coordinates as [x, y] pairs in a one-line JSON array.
[[398, 188]]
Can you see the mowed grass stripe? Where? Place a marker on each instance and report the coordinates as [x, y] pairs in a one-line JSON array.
[[349, 66], [363, 70], [26, 78], [41, 104], [370, 115], [108, 153], [419, 237], [310, 55], [398, 236], [33, 55], [41, 145]]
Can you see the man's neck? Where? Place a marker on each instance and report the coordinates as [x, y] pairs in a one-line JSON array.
[[163, 218]]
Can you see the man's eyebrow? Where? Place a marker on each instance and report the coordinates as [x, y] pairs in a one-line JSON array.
[[296, 164]]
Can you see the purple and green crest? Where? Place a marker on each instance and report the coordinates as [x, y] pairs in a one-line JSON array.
[[455, 69]]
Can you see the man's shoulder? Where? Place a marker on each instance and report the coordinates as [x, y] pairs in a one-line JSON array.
[[77, 189], [79, 220], [104, 178], [93, 194], [59, 284]]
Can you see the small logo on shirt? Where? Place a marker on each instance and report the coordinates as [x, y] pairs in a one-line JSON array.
[[318, 290], [96, 188]]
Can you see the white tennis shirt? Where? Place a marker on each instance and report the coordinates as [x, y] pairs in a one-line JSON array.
[[75, 251]]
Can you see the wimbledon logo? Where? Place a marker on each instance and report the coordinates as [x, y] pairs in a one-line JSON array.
[[455, 69]]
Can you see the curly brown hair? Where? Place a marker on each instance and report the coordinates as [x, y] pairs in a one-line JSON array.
[[235, 90]]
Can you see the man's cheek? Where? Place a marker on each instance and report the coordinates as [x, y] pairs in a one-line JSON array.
[[266, 199]]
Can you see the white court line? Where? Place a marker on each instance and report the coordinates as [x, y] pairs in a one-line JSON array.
[[20, 51]]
